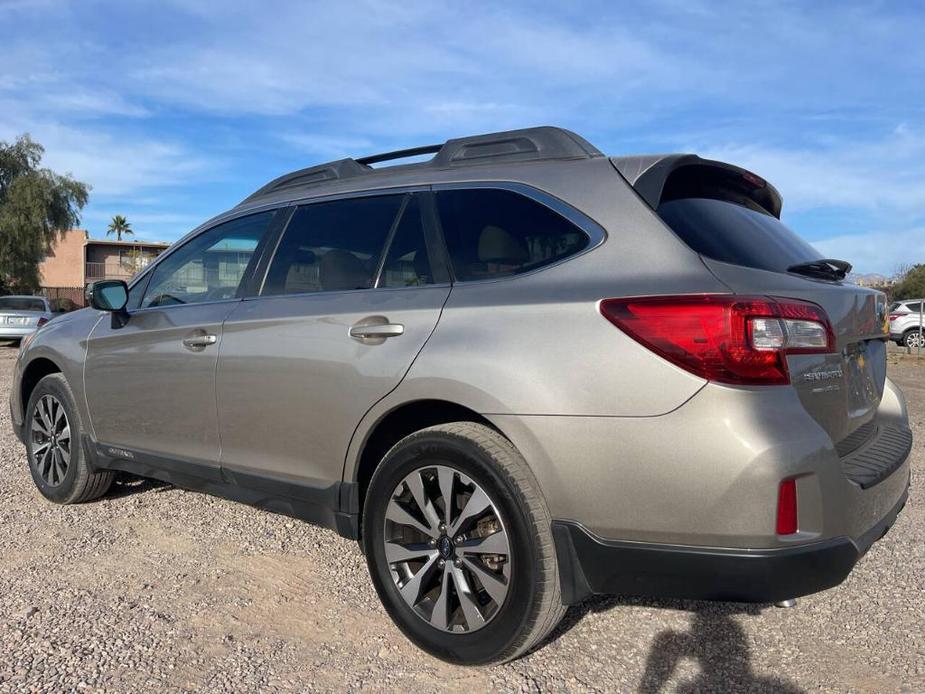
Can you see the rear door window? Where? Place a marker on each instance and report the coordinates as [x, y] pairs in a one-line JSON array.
[[407, 263], [496, 233], [333, 246]]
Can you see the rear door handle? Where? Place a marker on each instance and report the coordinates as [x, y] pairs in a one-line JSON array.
[[379, 330], [199, 342]]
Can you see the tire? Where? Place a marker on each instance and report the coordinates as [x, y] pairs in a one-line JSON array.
[[911, 339], [515, 596], [59, 464]]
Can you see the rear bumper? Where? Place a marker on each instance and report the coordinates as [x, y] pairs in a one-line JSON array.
[[589, 565]]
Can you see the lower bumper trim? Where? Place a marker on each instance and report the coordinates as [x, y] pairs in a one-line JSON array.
[[589, 565]]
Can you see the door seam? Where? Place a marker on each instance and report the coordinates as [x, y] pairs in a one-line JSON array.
[[356, 428]]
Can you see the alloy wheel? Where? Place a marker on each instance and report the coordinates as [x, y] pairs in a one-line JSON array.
[[447, 548], [50, 436]]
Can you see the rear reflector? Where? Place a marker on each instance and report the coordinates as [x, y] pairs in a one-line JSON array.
[[741, 340], [787, 508]]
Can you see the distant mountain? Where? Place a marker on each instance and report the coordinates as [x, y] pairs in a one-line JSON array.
[[871, 279]]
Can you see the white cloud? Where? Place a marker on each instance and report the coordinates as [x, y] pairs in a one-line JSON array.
[[881, 173], [879, 251], [114, 164]]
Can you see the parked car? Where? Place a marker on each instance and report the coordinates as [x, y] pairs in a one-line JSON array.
[[905, 321], [23, 315], [519, 373]]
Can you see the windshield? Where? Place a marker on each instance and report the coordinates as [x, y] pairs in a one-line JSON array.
[[735, 234], [21, 303]]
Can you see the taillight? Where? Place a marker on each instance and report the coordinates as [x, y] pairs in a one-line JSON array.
[[741, 340], [894, 316], [42, 321], [787, 508]]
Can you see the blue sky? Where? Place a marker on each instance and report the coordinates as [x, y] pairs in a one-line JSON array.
[[177, 109]]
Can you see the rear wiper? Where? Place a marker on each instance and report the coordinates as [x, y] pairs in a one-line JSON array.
[[826, 268]]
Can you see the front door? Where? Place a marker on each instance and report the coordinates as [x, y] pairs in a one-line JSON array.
[[349, 300], [150, 383]]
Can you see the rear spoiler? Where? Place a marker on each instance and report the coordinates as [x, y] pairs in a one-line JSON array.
[[655, 177]]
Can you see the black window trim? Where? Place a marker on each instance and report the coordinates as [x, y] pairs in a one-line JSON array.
[[424, 191], [594, 231], [206, 227]]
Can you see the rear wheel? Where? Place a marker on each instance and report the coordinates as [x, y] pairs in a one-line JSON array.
[[459, 545], [911, 339], [57, 461]]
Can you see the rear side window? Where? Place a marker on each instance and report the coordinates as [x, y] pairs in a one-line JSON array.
[[496, 233], [733, 233], [333, 246], [914, 308]]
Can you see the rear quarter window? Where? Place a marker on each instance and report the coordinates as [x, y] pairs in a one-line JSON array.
[[494, 233]]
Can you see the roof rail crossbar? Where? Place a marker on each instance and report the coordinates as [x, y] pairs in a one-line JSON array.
[[399, 154]]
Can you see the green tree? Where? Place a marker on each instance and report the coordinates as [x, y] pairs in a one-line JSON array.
[[912, 284], [119, 226], [37, 206]]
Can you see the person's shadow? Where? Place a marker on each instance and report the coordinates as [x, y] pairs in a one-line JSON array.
[[717, 643], [714, 640]]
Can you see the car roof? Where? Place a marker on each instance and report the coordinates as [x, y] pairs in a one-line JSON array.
[[539, 144], [542, 145]]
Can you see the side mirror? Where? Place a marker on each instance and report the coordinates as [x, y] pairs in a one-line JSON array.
[[108, 295], [112, 296]]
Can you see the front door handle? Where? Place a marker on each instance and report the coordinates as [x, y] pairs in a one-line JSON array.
[[199, 342], [377, 330]]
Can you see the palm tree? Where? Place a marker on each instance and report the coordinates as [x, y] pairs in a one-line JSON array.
[[118, 226]]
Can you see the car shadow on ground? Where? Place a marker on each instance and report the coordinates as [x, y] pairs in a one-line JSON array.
[[714, 640], [127, 484]]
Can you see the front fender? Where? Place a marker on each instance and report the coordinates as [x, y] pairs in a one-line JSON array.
[[63, 342]]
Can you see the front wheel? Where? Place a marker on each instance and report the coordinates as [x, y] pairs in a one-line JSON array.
[[57, 461], [459, 545]]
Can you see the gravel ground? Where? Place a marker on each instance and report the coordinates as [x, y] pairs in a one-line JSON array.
[[154, 588]]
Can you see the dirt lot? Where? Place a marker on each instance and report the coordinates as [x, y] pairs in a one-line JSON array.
[[154, 588]]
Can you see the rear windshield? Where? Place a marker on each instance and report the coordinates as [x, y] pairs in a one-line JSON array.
[[732, 233], [16, 303]]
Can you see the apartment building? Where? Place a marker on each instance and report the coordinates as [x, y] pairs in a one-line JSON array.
[[76, 259]]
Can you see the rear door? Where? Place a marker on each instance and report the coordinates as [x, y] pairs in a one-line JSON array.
[[150, 383], [751, 251], [351, 294]]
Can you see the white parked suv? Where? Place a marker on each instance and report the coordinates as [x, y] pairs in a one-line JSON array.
[[905, 321]]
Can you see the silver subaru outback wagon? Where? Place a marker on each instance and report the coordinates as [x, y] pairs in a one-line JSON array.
[[520, 373]]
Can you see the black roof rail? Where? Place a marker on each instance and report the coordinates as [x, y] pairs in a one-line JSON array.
[[399, 154], [529, 144]]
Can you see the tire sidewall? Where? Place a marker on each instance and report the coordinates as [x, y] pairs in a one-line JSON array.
[[56, 386], [492, 641]]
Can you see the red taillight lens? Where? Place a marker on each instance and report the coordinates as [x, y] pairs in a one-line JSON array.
[[731, 339], [787, 508], [42, 321], [894, 316]]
